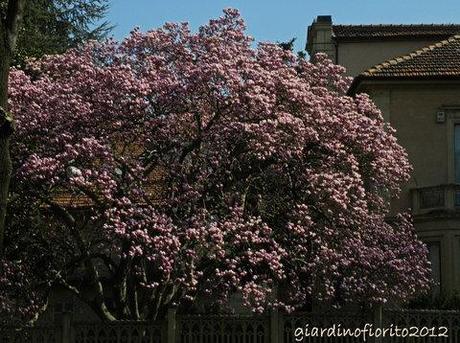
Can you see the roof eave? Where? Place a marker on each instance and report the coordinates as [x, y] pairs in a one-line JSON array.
[[360, 79]]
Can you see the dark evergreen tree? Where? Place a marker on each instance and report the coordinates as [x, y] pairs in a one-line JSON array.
[[289, 45], [53, 26]]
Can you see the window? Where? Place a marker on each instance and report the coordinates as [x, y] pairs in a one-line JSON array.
[[434, 256], [457, 161], [457, 153]]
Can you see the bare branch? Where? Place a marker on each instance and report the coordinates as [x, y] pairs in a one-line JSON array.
[[62, 213]]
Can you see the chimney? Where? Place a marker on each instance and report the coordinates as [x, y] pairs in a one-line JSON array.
[[319, 37]]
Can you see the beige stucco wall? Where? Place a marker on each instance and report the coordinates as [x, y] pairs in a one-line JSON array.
[[360, 56], [411, 109]]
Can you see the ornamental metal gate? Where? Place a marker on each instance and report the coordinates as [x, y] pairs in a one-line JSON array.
[[122, 332], [223, 329]]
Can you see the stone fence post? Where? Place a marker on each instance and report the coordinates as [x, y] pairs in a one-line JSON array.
[[378, 321], [171, 319], [67, 327], [274, 326]]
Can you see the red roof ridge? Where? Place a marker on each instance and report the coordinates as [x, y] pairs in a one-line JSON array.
[[394, 31], [398, 59], [396, 25]]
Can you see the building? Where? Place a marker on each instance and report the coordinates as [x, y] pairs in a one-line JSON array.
[[412, 72], [360, 47]]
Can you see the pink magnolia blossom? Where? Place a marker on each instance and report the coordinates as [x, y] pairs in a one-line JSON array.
[[270, 176]]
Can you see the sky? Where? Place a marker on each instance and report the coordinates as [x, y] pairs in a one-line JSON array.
[[279, 21]]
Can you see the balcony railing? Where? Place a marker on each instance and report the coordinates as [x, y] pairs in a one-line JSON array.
[[444, 197]]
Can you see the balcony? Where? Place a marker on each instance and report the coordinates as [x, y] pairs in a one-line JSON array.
[[441, 198]]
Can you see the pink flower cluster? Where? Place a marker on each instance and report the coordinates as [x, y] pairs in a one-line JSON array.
[[271, 176]]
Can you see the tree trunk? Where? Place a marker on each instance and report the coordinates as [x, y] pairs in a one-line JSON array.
[[5, 175], [5, 134], [9, 28]]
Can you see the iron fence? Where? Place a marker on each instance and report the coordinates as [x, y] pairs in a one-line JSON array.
[[270, 328]]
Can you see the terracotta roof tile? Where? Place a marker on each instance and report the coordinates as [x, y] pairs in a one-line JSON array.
[[438, 60], [154, 189], [78, 201], [71, 200], [389, 31]]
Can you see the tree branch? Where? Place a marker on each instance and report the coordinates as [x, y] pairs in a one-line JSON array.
[[98, 304], [62, 213]]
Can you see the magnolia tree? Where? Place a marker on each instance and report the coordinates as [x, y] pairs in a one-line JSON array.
[[177, 166]]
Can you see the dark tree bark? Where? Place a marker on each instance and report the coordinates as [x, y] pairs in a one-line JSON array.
[[9, 26]]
